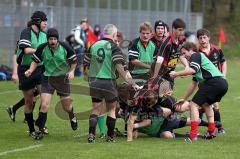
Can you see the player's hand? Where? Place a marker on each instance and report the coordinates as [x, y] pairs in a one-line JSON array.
[[28, 73], [70, 75], [173, 74], [14, 77], [168, 94], [180, 101], [136, 87]]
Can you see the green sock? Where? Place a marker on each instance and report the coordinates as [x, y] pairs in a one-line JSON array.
[[101, 124]]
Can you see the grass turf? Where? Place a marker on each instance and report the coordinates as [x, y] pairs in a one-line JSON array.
[[63, 143]]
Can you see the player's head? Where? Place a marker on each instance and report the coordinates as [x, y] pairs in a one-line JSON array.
[[110, 31], [160, 28], [84, 24], [145, 31], [39, 19], [150, 98], [187, 49], [203, 36], [178, 27], [119, 38], [52, 37]]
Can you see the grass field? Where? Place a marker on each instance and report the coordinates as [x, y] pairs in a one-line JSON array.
[[63, 143]]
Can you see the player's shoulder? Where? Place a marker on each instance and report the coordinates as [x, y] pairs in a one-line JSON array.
[[26, 30], [215, 47], [182, 38]]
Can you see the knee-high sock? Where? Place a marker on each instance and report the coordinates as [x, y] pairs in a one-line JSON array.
[[41, 121], [194, 129], [30, 121], [110, 125], [101, 124], [93, 120], [18, 105]]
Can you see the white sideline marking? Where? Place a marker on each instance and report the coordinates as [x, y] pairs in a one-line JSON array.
[[20, 149]]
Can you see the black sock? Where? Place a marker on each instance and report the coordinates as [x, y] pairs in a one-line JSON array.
[[33, 105], [217, 116], [41, 121], [125, 127], [201, 111], [110, 125], [93, 120], [203, 123], [30, 121], [18, 105]]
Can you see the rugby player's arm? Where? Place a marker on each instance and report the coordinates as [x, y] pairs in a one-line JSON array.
[[184, 61], [158, 66], [139, 63], [224, 68], [29, 50], [187, 71], [71, 59], [14, 65]]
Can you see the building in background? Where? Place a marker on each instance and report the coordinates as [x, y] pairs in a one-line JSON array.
[[65, 14]]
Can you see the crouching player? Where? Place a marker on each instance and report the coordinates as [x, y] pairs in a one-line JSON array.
[[149, 117], [59, 61]]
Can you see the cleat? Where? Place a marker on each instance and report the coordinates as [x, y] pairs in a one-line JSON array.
[[110, 139], [221, 131], [11, 113], [102, 136], [209, 136], [91, 139], [74, 123], [45, 130], [37, 135], [190, 140]]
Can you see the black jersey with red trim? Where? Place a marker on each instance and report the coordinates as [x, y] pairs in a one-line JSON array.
[[169, 50], [215, 55], [157, 42]]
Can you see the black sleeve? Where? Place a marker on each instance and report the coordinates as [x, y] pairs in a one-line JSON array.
[[133, 52], [87, 57], [221, 55], [37, 56], [117, 56], [71, 55], [164, 48], [25, 39], [195, 61]]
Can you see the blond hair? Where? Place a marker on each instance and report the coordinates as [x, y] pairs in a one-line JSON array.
[[145, 26]]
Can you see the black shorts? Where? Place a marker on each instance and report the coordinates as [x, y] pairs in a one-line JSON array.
[[103, 89], [27, 83], [170, 125], [168, 103], [211, 91], [58, 83]]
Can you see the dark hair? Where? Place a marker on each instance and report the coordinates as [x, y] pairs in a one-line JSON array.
[[52, 32], [178, 23], [159, 23], [202, 32], [188, 46], [38, 16]]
